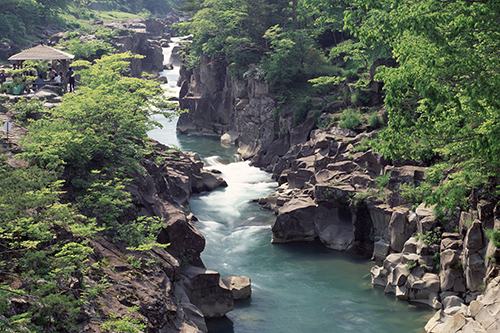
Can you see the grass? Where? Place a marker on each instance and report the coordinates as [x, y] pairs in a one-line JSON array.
[[95, 15]]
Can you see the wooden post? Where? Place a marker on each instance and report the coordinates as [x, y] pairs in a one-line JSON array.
[[65, 72]]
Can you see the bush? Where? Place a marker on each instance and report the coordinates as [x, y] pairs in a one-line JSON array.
[[494, 235], [415, 194], [350, 119], [375, 121]]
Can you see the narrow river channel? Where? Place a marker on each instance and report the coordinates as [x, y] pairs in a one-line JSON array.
[[295, 287]]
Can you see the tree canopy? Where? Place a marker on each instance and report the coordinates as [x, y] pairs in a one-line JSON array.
[[442, 96]]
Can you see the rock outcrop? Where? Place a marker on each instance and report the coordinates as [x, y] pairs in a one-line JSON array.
[[145, 37], [171, 288]]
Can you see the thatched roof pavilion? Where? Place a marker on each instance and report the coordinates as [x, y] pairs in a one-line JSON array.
[[41, 52], [44, 52]]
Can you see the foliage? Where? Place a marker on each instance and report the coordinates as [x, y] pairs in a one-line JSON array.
[[106, 123], [382, 181], [494, 236], [20, 17], [443, 98], [96, 138], [415, 194], [362, 146], [82, 50], [431, 237], [142, 233], [350, 118], [326, 83], [124, 324], [27, 108], [33, 223], [410, 265], [300, 110], [292, 58], [375, 121]]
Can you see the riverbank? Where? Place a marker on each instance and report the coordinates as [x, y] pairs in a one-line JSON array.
[[337, 190]]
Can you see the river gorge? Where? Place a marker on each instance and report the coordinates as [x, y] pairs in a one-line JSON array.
[[295, 287]]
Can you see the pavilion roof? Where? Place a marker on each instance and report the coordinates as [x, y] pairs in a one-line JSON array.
[[42, 52]]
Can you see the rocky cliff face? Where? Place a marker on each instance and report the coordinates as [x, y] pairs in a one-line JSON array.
[[218, 104], [336, 191]]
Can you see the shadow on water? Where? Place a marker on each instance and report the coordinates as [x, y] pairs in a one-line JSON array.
[[220, 325]]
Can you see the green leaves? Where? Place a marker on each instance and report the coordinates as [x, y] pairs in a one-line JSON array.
[[443, 98], [105, 123]]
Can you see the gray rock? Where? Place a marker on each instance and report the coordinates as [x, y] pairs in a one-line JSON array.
[[380, 250], [295, 221], [230, 137], [240, 286], [407, 174], [334, 227], [474, 238], [410, 246], [400, 229], [206, 291]]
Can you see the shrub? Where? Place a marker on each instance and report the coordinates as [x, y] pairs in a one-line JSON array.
[[429, 238], [415, 194], [350, 119], [494, 235], [375, 121], [382, 181]]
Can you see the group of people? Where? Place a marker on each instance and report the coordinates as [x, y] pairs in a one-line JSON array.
[[53, 77]]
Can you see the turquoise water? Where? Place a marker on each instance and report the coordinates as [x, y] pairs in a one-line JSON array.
[[295, 287]]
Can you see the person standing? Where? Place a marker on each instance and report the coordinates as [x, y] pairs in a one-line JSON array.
[[71, 79], [3, 77]]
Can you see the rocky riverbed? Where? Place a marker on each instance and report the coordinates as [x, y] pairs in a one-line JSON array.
[[336, 190]]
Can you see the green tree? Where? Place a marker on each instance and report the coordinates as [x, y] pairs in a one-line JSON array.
[[105, 124], [443, 98]]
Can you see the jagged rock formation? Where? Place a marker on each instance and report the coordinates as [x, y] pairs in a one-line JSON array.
[[146, 37], [217, 104]]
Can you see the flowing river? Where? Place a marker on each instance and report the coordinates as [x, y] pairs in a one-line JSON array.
[[295, 287]]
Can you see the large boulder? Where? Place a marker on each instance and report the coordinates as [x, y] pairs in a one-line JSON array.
[[400, 229], [240, 286], [295, 221], [207, 292], [208, 181], [334, 227]]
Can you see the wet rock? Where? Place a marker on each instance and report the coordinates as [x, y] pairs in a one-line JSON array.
[[380, 250], [206, 291], [208, 181], [295, 221], [240, 286], [230, 137]]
